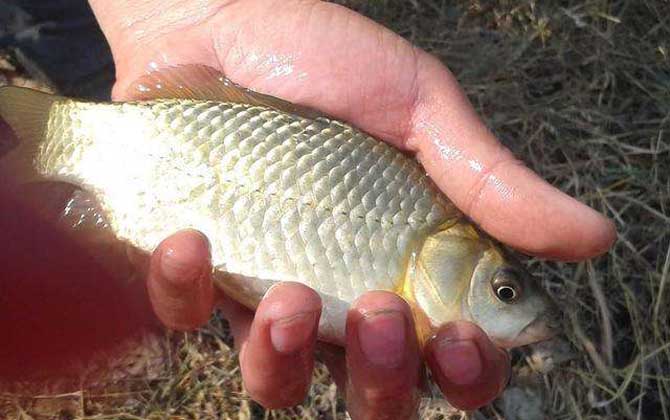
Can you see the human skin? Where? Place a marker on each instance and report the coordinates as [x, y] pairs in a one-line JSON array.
[[332, 59]]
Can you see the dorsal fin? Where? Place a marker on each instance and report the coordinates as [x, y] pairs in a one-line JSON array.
[[200, 82]]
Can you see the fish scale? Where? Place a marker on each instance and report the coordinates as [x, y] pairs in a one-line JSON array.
[[283, 197]]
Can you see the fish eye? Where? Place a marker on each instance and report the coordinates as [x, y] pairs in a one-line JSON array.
[[505, 285]]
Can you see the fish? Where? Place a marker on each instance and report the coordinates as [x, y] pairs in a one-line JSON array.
[[283, 193]]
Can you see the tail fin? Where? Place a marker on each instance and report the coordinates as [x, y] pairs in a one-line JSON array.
[[27, 113]]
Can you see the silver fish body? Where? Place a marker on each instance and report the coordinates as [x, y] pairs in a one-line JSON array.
[[281, 197]]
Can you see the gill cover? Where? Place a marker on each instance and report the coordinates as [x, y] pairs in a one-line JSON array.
[[460, 274], [438, 279]]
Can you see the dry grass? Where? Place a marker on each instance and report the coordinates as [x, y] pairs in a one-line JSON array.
[[580, 90]]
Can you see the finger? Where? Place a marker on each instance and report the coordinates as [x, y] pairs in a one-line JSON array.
[[179, 282], [489, 184], [469, 369], [382, 358], [278, 356]]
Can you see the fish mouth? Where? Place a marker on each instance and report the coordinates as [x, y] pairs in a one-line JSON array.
[[541, 329]]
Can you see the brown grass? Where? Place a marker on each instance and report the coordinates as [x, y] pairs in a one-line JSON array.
[[580, 90]]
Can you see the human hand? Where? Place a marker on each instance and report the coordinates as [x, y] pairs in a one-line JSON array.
[[381, 370], [327, 57]]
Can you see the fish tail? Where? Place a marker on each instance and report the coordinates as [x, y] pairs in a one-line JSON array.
[[27, 113]]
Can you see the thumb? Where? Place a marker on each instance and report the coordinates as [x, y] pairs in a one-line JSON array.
[[493, 188]]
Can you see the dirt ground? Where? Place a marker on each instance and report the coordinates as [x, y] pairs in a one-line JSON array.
[[580, 91]]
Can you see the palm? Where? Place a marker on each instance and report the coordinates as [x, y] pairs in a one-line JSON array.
[[290, 54], [330, 58]]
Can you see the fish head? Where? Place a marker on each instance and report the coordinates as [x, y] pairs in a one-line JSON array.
[[461, 274], [508, 303]]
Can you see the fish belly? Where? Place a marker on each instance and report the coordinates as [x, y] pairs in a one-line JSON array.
[[280, 197]]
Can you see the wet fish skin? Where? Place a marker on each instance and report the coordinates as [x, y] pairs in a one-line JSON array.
[[282, 197]]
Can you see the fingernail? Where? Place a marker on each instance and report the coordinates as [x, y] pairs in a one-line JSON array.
[[181, 267], [177, 267], [382, 337], [460, 361], [293, 333], [272, 289]]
